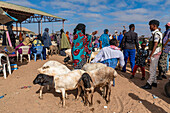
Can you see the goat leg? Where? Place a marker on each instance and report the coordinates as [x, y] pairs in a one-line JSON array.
[[63, 97], [86, 99], [41, 88], [79, 91], [48, 87], [109, 88], [103, 91], [66, 96], [91, 98]]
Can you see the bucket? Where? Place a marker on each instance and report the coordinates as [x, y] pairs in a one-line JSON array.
[[14, 67]]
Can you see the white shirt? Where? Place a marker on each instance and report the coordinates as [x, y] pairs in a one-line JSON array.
[[157, 36], [109, 53]]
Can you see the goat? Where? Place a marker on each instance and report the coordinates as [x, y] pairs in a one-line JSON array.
[[93, 55], [67, 82], [61, 82], [52, 68], [99, 78], [43, 80], [93, 66], [87, 86], [53, 50], [68, 54]]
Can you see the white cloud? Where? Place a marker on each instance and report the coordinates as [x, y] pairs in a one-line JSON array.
[[137, 11], [134, 15], [23, 3], [57, 4], [66, 13], [91, 15], [98, 8], [150, 2]]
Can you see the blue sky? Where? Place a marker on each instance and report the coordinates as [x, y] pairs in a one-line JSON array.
[[101, 14]]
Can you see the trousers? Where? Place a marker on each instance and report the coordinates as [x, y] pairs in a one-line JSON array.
[[131, 54], [142, 69], [152, 69]]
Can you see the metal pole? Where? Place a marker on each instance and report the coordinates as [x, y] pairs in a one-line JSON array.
[[63, 24], [41, 27], [38, 27], [20, 27], [17, 29]]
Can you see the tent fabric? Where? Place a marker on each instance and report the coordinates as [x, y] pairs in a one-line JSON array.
[[24, 10], [5, 17]]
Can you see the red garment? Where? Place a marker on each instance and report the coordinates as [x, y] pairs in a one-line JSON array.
[[142, 69]]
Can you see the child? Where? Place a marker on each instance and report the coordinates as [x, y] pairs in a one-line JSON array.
[[140, 61]]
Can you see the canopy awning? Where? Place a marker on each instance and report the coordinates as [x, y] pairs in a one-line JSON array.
[[28, 15], [5, 17]]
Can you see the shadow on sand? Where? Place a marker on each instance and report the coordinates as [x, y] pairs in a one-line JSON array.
[[159, 91], [151, 107]]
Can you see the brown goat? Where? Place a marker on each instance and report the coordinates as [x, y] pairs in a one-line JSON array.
[[102, 77]]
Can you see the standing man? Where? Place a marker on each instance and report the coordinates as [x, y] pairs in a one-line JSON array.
[[129, 42], [155, 52], [120, 37], [46, 41], [162, 63], [104, 39]]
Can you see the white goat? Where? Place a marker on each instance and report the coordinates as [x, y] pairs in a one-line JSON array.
[[52, 68], [67, 82]]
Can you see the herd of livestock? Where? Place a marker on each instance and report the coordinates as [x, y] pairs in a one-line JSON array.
[[56, 75]]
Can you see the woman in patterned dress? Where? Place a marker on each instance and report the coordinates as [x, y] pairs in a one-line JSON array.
[[81, 46]]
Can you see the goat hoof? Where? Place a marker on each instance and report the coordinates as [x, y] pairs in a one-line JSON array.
[[67, 98], [107, 102], [90, 104], [85, 104], [41, 98]]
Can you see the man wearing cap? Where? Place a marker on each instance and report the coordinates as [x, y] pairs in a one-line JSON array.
[[155, 43], [162, 64], [129, 42]]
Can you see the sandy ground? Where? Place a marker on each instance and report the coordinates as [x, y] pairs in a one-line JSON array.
[[126, 97]]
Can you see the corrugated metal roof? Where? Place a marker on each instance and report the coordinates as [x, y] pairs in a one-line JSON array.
[[25, 9]]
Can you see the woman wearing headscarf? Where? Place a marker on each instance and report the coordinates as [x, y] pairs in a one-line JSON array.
[[67, 35], [64, 43], [81, 46], [104, 39], [26, 42]]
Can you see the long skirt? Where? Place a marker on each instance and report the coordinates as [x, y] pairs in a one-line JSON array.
[[162, 63], [81, 64]]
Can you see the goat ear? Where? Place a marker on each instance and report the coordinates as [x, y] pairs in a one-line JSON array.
[[91, 80], [80, 80]]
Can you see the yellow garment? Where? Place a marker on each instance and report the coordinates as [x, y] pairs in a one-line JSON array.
[[26, 41]]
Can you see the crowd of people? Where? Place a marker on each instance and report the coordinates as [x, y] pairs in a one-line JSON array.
[[113, 49], [157, 55]]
